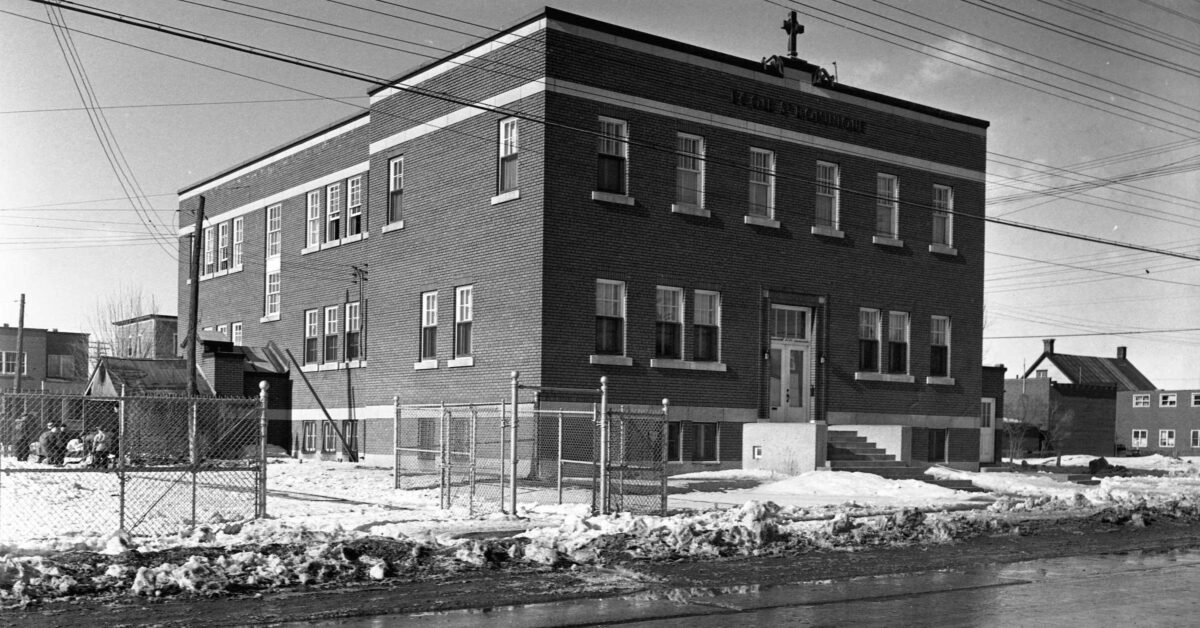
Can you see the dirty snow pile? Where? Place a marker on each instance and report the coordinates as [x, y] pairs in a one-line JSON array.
[[340, 523]]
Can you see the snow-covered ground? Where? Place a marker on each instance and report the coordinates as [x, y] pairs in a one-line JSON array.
[[321, 504]]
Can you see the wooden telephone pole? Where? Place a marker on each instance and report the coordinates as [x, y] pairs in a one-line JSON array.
[[194, 299]]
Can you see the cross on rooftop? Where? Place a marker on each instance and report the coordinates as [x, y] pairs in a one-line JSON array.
[[793, 28]]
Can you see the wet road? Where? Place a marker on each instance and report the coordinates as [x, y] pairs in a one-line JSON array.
[[1134, 589]]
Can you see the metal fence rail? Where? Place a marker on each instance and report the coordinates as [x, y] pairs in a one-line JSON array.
[[145, 465], [487, 458]]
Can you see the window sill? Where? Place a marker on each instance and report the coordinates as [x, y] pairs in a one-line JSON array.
[[609, 197], [330, 366], [425, 365], [392, 226], [762, 221], [331, 244], [943, 249], [467, 360], [689, 209], [887, 241], [611, 360], [310, 249], [871, 376], [362, 235], [503, 197], [940, 381], [687, 365], [828, 232], [219, 273], [268, 318], [356, 364], [310, 368]]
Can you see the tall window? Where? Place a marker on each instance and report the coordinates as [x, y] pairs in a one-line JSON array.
[[429, 321], [1195, 438], [333, 212], [312, 336], [464, 313], [395, 211], [868, 340], [610, 317], [209, 258], [354, 206], [328, 437], [707, 319], [939, 346], [887, 206], [331, 333], [272, 305], [235, 331], [1140, 439], [898, 342], [313, 221], [943, 217], [223, 246], [613, 156], [1166, 438], [762, 183], [353, 331], [689, 170], [668, 325], [704, 443], [274, 226], [239, 234], [987, 411], [309, 442], [828, 189], [508, 155]]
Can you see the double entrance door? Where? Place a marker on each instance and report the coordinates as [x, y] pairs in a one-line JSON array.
[[790, 364]]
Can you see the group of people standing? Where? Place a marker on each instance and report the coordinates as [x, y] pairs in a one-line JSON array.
[[52, 445]]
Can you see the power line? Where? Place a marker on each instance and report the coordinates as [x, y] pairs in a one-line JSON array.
[[1099, 333], [180, 104]]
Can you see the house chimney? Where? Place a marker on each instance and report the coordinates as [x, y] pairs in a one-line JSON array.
[[1120, 353], [1048, 345]]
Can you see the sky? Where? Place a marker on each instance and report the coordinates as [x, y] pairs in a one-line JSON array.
[[1094, 110]]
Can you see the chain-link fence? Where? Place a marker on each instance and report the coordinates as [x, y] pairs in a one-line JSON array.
[[77, 465], [612, 461]]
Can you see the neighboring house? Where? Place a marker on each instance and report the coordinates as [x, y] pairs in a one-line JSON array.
[[753, 241], [53, 360], [150, 336], [1159, 422], [141, 377], [1076, 395]]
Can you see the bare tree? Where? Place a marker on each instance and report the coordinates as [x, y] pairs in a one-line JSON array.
[[1022, 414], [1057, 426], [125, 303]]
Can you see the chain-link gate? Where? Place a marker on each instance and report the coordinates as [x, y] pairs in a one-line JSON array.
[[487, 458], [146, 465]]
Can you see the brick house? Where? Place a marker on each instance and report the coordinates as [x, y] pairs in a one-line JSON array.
[[753, 241], [1158, 422], [1084, 388], [153, 336], [53, 360]]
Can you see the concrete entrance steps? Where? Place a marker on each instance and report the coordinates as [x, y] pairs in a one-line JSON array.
[[845, 450]]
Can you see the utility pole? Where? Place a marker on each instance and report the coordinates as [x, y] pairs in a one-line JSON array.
[[194, 299], [20, 344]]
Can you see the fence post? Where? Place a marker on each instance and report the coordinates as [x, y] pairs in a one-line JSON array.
[[513, 438], [193, 454], [471, 493], [262, 448], [604, 445], [503, 453], [396, 470], [122, 453], [444, 428], [662, 461]]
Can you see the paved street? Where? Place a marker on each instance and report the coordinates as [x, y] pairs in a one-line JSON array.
[[1122, 589]]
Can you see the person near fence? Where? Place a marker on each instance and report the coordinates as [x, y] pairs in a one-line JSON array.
[[46, 443], [99, 445], [23, 436]]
